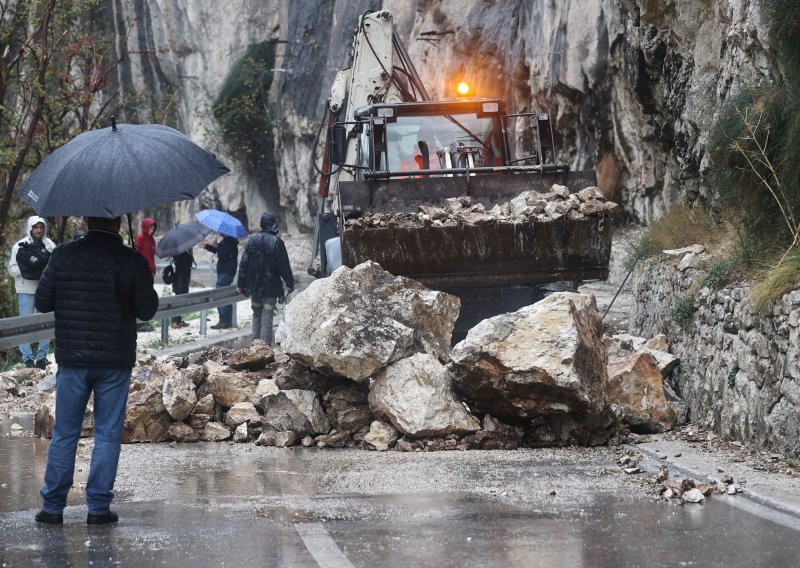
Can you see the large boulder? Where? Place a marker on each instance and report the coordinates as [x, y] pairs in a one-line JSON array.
[[544, 359], [307, 402], [146, 419], [240, 413], [253, 357], [636, 394], [416, 395], [230, 388], [359, 320], [178, 395], [281, 414]]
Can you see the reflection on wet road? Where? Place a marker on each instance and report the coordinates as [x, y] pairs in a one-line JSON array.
[[220, 504]]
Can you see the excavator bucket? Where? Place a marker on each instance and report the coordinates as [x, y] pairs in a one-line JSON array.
[[492, 251]]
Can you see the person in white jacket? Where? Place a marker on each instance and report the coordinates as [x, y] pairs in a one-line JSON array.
[[36, 233]]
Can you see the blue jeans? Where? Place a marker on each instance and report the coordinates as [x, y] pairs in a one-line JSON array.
[[225, 312], [262, 318], [73, 386], [27, 308]]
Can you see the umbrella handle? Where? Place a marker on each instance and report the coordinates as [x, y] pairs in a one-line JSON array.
[[130, 231]]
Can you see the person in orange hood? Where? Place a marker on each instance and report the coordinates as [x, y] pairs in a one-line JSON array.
[[145, 243], [146, 246]]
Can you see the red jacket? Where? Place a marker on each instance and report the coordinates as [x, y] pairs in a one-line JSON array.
[[145, 243]]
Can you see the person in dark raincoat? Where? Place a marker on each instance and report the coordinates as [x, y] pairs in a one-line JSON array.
[[263, 270], [227, 251], [183, 275]]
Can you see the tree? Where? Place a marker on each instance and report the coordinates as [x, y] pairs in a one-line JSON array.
[[53, 72]]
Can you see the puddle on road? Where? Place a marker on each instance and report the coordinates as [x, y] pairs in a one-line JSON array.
[[238, 511]]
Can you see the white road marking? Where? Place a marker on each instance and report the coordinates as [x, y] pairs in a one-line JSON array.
[[321, 546]]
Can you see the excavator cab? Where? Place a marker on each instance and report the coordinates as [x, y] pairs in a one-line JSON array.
[[399, 156]]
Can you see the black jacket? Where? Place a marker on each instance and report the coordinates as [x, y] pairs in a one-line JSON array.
[[264, 263], [183, 272], [97, 287], [227, 253]]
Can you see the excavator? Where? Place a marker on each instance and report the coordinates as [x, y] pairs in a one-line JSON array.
[[391, 152]]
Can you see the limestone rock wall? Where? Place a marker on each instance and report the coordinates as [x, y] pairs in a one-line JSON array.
[[739, 373], [633, 84]]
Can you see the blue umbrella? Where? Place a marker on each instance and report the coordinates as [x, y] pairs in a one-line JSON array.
[[180, 239], [222, 222], [112, 171]]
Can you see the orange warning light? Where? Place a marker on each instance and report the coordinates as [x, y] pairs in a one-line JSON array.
[[463, 89]]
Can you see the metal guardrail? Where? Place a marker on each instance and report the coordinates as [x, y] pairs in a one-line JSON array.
[[29, 329]]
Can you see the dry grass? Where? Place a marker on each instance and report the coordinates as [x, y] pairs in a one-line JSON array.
[[776, 282], [680, 228]]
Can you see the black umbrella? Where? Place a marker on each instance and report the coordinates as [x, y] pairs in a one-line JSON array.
[[181, 238], [117, 170]]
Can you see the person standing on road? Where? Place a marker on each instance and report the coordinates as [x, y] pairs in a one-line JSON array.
[[97, 288], [28, 258], [145, 245], [183, 275], [264, 264], [227, 251]]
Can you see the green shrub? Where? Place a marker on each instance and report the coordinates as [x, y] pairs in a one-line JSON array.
[[682, 311], [242, 106]]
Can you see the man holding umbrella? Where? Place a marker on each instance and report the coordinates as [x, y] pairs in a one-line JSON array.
[[97, 288], [227, 252]]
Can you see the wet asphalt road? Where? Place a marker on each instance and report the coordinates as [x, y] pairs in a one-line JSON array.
[[241, 505]]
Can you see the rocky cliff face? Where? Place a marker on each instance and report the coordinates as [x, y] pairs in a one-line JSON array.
[[633, 84]]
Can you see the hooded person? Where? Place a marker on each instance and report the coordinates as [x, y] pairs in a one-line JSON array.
[[29, 256], [145, 245], [263, 270]]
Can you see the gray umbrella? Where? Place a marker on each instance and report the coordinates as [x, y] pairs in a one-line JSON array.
[[117, 170], [181, 238]]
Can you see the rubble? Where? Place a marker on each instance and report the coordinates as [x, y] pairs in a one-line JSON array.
[[535, 377], [528, 206]]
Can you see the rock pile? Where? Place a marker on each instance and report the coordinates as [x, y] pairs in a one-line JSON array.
[[366, 362], [681, 489], [528, 206]]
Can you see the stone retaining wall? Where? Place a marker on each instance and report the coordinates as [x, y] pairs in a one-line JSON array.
[[739, 372]]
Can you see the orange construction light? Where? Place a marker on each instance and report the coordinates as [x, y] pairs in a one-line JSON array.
[[463, 88]]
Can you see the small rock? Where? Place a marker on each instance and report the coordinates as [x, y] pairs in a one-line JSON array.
[[240, 434], [285, 439], [693, 496]]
